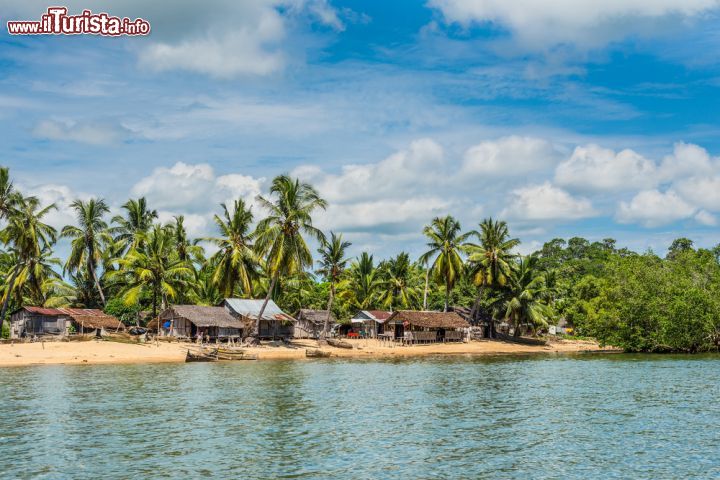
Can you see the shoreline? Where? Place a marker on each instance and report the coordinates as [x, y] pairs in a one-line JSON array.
[[115, 353]]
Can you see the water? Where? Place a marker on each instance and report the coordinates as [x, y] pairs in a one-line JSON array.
[[613, 416]]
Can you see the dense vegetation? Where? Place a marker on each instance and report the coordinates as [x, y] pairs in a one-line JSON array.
[[132, 266]]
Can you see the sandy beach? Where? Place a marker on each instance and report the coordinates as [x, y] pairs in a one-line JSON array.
[[108, 352]]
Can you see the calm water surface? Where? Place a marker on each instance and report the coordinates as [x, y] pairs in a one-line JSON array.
[[613, 416]]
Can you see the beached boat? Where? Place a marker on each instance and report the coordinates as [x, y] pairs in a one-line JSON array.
[[338, 343], [224, 354], [201, 356], [314, 353]]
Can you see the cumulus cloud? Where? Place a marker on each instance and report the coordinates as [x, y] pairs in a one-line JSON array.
[[652, 208], [703, 191], [68, 130], [538, 24], [547, 202], [188, 188], [59, 195], [597, 168], [509, 156], [687, 159]]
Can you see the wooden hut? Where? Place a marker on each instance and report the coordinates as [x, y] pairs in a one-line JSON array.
[[369, 323], [310, 323], [274, 323], [186, 320], [426, 327], [39, 321]]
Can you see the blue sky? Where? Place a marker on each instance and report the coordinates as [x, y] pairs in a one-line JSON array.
[[565, 118]]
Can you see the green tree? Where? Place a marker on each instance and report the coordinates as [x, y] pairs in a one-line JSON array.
[[364, 282], [131, 229], [490, 260], [87, 239], [236, 262], [445, 246], [153, 268], [399, 287], [525, 301], [279, 236], [332, 265]]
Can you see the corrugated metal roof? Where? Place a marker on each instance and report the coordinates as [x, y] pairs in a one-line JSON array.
[[377, 315], [203, 316], [250, 308]]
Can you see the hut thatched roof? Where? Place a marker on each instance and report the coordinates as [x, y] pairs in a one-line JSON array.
[[87, 317], [317, 317], [203, 316], [428, 319]]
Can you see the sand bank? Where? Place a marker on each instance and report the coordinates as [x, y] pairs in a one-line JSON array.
[[106, 352]]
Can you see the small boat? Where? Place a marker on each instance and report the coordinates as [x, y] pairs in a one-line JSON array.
[[521, 340], [338, 343], [201, 356], [314, 353], [236, 356]]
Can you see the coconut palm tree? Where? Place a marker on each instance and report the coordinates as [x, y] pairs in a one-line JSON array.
[[525, 300], [153, 268], [490, 262], [132, 228], [236, 262], [332, 265], [446, 244], [30, 241], [279, 237], [364, 281], [87, 239], [9, 197], [399, 290]]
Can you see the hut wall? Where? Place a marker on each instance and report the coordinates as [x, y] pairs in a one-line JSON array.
[[276, 329]]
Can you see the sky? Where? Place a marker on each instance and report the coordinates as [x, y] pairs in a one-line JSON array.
[[564, 118]]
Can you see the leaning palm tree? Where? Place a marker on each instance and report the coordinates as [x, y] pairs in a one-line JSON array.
[[87, 239], [155, 269], [279, 237], [332, 265], [525, 301], [30, 240], [236, 262], [490, 262], [132, 228], [446, 244]]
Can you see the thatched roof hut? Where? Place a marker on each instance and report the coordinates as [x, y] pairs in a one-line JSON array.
[[310, 323], [31, 320], [274, 322], [426, 319], [185, 320]]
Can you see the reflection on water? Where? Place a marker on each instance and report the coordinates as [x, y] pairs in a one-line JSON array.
[[615, 416]]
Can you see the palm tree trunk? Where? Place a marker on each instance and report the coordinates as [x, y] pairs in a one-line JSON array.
[[447, 294], [97, 285], [425, 293], [329, 307], [11, 284], [267, 299]]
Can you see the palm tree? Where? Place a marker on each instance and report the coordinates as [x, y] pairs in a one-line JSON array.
[[236, 262], [30, 240], [364, 281], [527, 290], [87, 239], [280, 235], [132, 228], [399, 290], [153, 268], [9, 198], [332, 265], [446, 244], [490, 262]]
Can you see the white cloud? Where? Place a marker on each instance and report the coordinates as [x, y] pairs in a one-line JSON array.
[[186, 188], [538, 24], [687, 159], [510, 156], [67, 130], [703, 191], [704, 217], [652, 208], [597, 168], [59, 195], [546, 202]]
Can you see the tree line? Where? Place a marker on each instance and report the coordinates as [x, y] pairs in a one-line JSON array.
[[133, 263]]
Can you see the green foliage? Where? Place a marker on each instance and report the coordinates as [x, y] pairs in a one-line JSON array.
[[127, 314], [5, 332]]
